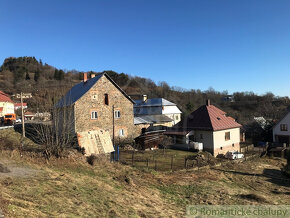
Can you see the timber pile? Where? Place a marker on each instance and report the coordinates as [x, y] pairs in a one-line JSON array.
[[150, 139]]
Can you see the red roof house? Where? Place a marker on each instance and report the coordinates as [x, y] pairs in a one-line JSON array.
[[211, 126], [5, 97], [6, 104]]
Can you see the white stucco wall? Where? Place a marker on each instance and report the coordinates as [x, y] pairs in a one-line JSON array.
[[8, 108], [222, 146], [206, 139], [276, 129], [170, 110]]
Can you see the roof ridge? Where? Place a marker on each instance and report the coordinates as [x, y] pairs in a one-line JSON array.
[[206, 106]]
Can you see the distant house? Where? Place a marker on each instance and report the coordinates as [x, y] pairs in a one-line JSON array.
[[261, 121], [281, 131], [229, 98], [159, 111], [97, 103], [18, 106], [29, 115], [211, 126], [6, 104]]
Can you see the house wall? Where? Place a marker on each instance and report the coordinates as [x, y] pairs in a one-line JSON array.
[[206, 137], [8, 108], [139, 127], [175, 117], [170, 110], [277, 131], [222, 146], [94, 100]]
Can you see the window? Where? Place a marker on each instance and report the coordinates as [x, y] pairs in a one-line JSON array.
[[117, 114], [94, 115], [106, 99], [227, 136], [121, 132], [201, 136], [283, 127]]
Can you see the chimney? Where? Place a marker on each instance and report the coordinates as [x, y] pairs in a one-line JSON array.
[[208, 102], [144, 98], [93, 75], [85, 77]]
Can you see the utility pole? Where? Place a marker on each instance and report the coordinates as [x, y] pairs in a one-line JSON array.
[[113, 125], [22, 116], [22, 96]]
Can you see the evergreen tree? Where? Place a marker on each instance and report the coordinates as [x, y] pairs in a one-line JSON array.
[[56, 74], [61, 75], [36, 75], [27, 77]]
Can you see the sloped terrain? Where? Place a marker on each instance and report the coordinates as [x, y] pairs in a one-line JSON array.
[[31, 186], [71, 187]]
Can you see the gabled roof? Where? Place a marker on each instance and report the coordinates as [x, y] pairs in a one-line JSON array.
[[5, 97], [209, 117], [153, 102], [77, 91], [286, 114]]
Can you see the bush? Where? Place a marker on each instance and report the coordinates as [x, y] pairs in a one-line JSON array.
[[91, 159]]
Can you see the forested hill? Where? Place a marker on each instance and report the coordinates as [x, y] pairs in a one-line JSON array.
[[48, 84]]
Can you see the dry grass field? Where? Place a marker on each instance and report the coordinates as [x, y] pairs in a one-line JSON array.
[[30, 186]]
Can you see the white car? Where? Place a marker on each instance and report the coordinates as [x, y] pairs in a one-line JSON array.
[[18, 121], [234, 155]]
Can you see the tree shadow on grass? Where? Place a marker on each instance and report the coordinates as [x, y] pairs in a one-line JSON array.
[[272, 175]]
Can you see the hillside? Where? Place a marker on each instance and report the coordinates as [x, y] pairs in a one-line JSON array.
[[70, 187], [48, 84]]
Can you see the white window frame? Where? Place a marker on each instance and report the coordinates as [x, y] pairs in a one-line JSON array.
[[117, 113], [94, 115], [121, 132]]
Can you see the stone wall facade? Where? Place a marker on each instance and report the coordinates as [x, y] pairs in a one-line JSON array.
[[94, 101]]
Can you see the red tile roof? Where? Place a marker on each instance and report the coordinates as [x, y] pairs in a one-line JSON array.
[[28, 113], [209, 117], [5, 97]]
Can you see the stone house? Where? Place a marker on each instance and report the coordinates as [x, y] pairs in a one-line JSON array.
[[6, 104], [97, 103], [281, 131], [159, 111], [210, 126]]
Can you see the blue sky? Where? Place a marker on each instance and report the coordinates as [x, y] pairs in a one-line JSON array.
[[234, 45]]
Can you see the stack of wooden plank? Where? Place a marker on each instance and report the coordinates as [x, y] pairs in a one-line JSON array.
[[150, 139]]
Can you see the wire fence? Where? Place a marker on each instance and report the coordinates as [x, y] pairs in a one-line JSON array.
[[167, 161]]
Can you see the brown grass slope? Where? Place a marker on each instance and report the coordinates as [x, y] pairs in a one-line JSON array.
[[69, 187]]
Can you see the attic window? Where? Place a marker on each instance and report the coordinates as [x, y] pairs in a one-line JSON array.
[[106, 99], [283, 127], [218, 118]]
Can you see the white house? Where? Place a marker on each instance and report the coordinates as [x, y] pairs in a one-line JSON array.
[[281, 131], [6, 104], [158, 110], [210, 126]]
